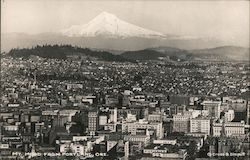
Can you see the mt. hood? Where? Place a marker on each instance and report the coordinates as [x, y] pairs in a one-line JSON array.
[[106, 24], [106, 31]]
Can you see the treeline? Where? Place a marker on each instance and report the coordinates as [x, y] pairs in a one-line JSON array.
[[61, 52], [45, 51], [142, 55]]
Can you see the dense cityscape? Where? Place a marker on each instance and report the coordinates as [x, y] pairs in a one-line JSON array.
[[124, 80], [86, 108]]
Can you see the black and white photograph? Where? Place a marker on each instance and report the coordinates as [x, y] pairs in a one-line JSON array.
[[125, 80]]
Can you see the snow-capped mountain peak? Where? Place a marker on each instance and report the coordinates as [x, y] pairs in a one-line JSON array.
[[106, 15], [107, 24]]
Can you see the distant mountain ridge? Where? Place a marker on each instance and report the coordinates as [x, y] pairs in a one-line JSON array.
[[224, 53]]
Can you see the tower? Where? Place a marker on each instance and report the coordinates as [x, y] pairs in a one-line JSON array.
[[212, 146], [92, 122], [34, 77], [126, 150], [248, 113], [113, 115], [223, 132], [1, 130], [146, 112], [222, 140]]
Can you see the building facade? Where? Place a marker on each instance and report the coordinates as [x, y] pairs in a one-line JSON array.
[[92, 122], [200, 125], [231, 128], [181, 122]]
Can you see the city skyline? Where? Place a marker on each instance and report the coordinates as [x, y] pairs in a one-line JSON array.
[[131, 80]]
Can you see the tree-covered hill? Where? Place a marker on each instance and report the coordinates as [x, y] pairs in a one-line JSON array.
[[62, 51], [142, 55]]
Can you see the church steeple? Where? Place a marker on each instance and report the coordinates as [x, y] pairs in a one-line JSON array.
[[223, 131]]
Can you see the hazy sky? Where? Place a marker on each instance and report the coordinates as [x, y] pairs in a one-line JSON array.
[[228, 20]]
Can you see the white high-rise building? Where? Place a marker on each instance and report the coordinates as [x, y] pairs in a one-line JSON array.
[[103, 119], [200, 125], [248, 113], [113, 116], [229, 115], [126, 150], [93, 122]]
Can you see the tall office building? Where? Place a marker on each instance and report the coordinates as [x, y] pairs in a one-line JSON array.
[[181, 122], [92, 122], [1, 124], [200, 125], [213, 108], [248, 113], [229, 115], [126, 150], [59, 121], [103, 120], [113, 115]]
